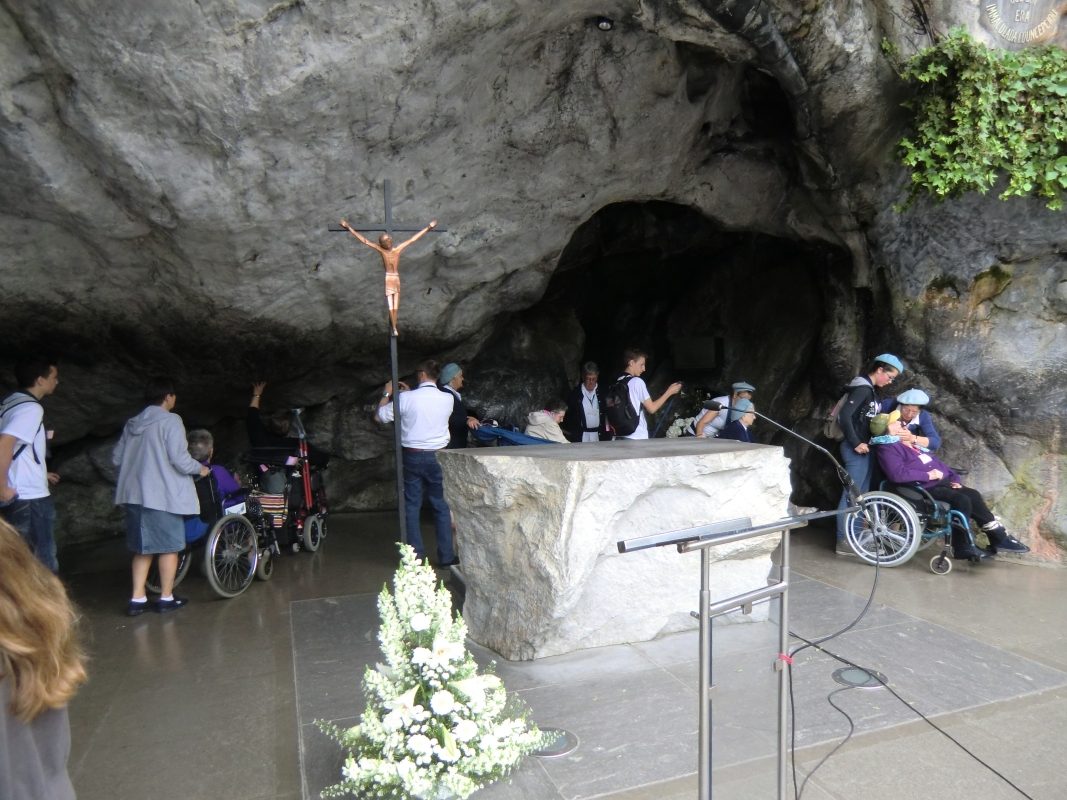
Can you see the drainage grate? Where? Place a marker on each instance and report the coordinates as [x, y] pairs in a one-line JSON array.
[[564, 744], [860, 678]]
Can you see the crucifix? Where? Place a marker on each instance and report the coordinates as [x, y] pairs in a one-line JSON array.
[[390, 254]]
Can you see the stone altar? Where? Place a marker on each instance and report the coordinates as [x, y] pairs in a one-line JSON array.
[[536, 529]]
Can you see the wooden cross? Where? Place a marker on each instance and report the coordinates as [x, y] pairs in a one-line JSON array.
[[389, 226], [391, 261]]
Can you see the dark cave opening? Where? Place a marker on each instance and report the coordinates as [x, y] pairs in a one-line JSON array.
[[710, 306]]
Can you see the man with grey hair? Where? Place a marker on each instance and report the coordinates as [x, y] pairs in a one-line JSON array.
[[585, 421]]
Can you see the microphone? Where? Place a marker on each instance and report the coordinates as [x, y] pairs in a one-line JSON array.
[[842, 473]]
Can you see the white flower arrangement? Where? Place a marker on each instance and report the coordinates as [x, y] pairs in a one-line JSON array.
[[678, 427], [433, 727]]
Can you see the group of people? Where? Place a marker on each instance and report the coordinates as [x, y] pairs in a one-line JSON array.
[[902, 435], [157, 461], [582, 416]]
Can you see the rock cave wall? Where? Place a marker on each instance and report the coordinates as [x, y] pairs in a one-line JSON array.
[[168, 174]]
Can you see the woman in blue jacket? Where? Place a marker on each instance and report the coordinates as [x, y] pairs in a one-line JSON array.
[[741, 418], [916, 418]]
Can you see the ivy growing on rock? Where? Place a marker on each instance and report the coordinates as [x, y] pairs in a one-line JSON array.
[[978, 111]]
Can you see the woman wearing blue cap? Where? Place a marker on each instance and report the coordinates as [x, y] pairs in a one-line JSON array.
[[916, 418], [859, 408], [742, 415], [462, 418]]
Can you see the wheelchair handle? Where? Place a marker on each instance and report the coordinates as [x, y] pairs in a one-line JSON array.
[[298, 424]]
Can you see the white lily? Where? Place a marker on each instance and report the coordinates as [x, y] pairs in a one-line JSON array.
[[403, 705]]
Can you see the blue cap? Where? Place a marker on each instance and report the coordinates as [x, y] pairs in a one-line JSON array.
[[740, 408], [449, 372], [913, 397], [891, 360], [743, 387]]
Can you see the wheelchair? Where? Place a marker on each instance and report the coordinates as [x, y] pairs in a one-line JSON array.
[[292, 494], [231, 536], [241, 534], [899, 520]]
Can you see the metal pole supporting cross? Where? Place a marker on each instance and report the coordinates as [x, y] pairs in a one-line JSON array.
[[391, 227]]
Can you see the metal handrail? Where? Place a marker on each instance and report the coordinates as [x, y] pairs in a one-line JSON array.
[[702, 538]]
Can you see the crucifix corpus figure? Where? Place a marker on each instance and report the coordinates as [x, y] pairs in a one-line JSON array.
[[390, 254]]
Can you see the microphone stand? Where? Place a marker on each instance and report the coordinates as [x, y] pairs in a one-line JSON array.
[[842, 473]]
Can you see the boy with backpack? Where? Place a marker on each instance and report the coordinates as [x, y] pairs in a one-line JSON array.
[[628, 397], [25, 502]]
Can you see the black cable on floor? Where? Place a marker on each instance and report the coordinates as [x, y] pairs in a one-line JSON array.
[[816, 643], [842, 743], [926, 719]]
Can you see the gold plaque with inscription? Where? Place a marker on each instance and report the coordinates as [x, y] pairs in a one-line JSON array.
[[1018, 23]]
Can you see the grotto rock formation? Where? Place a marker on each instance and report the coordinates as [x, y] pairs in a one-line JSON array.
[[169, 173]]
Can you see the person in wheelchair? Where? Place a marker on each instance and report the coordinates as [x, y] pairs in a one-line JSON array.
[[903, 462], [911, 405], [202, 448]]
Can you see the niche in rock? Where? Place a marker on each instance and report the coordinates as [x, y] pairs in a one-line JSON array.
[[710, 307]]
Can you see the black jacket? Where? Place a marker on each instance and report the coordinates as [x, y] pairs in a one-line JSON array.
[[859, 409], [457, 421], [736, 431], [574, 421], [264, 441]]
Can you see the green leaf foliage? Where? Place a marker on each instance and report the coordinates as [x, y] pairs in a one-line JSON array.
[[977, 112]]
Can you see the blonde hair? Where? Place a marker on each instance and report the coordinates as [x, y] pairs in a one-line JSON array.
[[39, 649]]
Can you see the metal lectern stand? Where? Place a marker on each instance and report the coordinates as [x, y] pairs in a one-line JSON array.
[[704, 538]]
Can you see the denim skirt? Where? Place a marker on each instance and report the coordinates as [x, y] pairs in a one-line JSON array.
[[150, 531]]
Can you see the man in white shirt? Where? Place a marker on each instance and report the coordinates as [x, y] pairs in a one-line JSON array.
[[424, 413], [25, 501], [640, 398]]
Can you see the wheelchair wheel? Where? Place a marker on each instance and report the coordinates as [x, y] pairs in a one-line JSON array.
[[153, 582], [231, 555], [313, 529], [926, 541], [941, 565], [886, 531], [265, 565]]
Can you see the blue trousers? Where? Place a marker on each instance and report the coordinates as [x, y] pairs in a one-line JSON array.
[[35, 520], [422, 472], [859, 466]]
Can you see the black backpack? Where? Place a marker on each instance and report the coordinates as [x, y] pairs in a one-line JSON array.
[[622, 416]]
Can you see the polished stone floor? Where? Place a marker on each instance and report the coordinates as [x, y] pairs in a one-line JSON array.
[[218, 700]]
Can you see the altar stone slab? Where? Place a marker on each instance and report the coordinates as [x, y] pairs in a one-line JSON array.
[[537, 526]]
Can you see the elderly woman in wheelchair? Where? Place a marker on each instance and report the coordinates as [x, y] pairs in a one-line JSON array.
[[923, 499]]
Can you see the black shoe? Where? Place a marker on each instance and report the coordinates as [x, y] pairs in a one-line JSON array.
[[971, 554], [163, 606], [446, 564], [136, 609], [1000, 541]]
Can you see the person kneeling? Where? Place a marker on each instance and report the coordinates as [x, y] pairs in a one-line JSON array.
[[906, 463], [545, 424]]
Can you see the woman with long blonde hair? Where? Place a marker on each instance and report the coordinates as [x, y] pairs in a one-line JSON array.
[[40, 670]]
